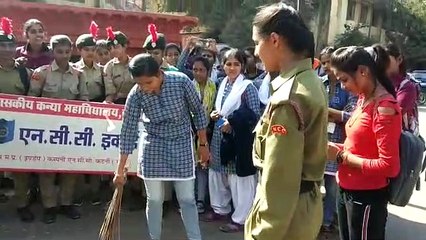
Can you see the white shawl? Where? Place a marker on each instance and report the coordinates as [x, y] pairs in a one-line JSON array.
[[233, 101], [264, 92]]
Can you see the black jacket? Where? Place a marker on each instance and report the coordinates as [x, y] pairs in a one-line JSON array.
[[238, 145]]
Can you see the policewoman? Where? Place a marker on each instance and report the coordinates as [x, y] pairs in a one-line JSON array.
[[14, 80], [118, 81], [58, 80], [291, 136]]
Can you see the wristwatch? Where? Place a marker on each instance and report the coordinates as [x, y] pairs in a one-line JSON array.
[[339, 157], [204, 144]]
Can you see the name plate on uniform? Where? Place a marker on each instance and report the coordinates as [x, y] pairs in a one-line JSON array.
[[52, 135]]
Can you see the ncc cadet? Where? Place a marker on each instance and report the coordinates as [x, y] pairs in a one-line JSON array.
[[290, 146], [103, 53], [155, 44], [59, 80], [93, 73], [15, 81], [118, 81]]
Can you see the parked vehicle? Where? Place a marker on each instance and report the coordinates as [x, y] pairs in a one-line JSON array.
[[420, 77]]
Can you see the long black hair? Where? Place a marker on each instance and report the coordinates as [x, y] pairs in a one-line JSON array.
[[348, 59], [394, 51]]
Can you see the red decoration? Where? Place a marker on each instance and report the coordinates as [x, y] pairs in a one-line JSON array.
[[152, 29], [110, 33], [6, 25], [94, 29], [279, 130]]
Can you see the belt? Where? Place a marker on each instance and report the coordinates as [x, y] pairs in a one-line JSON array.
[[305, 186]]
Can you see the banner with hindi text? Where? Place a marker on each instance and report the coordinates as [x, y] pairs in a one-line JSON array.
[[52, 135]]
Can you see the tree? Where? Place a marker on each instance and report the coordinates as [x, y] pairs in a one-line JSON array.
[[352, 36]]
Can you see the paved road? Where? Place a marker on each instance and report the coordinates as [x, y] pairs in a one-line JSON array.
[[404, 223]]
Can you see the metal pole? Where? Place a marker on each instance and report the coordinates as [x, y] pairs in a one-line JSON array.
[[298, 5]]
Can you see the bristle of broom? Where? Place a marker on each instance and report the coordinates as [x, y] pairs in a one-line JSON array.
[[110, 229]]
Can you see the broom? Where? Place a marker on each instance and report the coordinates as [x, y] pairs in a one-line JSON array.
[[110, 229]]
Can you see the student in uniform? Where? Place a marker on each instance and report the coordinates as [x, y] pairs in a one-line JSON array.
[[118, 80], [290, 146], [172, 53], [14, 80], [62, 81], [36, 52], [93, 73], [155, 44], [103, 53]]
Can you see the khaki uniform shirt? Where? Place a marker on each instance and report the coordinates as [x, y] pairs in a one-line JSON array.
[[94, 78], [290, 147], [118, 80], [48, 81], [10, 82]]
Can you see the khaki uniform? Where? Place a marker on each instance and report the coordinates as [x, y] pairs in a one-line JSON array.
[[95, 80], [118, 80], [11, 84], [290, 149], [49, 82]]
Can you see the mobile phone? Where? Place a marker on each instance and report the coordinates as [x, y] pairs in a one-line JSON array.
[[220, 122]]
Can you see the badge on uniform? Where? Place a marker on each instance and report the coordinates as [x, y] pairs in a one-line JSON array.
[[7, 130], [278, 130], [35, 77]]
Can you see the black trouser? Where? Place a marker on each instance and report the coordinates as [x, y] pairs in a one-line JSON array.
[[362, 214]]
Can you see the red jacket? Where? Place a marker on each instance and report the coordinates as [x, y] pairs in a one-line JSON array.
[[374, 138]]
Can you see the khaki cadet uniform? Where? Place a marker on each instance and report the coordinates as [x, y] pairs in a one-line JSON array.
[[118, 80], [11, 84], [47, 81], [95, 80], [290, 149]]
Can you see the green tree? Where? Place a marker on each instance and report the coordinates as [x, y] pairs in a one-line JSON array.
[[352, 36]]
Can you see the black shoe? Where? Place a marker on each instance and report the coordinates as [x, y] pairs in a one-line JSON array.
[[49, 215], [70, 212], [25, 214]]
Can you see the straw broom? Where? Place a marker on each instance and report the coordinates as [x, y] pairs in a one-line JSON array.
[[110, 229]]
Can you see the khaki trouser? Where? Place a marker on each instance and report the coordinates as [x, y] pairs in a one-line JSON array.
[[305, 223], [21, 188], [48, 189], [94, 185]]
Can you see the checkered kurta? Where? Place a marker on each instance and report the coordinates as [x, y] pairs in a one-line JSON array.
[[251, 98], [343, 101], [166, 146]]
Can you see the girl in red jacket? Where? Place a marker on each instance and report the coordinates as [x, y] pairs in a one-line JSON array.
[[370, 154]]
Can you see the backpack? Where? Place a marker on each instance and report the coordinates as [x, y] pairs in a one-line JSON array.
[[411, 149]]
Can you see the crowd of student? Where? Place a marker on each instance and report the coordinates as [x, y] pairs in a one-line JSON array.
[[369, 95]]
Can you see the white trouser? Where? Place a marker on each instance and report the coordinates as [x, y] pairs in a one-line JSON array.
[[226, 187]]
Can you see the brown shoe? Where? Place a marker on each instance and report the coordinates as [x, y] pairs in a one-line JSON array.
[[232, 228], [214, 217]]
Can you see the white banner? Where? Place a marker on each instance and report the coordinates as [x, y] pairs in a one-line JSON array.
[[50, 135]]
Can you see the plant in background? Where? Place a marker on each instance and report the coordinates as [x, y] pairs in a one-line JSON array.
[[353, 37]]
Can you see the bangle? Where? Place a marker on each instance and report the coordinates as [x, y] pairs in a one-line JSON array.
[[119, 175], [203, 144]]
